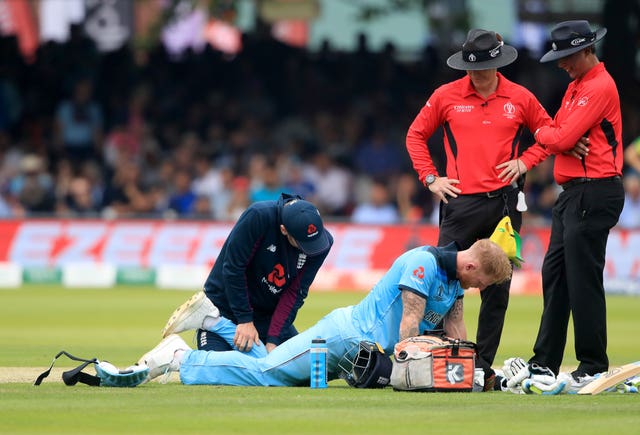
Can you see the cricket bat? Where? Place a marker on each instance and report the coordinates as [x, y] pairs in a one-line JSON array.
[[611, 378]]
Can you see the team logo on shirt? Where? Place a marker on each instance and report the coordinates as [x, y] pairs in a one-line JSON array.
[[463, 108], [432, 317], [302, 258], [276, 277], [583, 101], [509, 110], [418, 275], [438, 296], [419, 272], [271, 248]]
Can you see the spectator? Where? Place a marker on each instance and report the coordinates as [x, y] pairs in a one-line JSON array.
[[378, 209], [414, 203], [632, 155], [333, 182], [297, 183], [630, 216], [182, 200], [120, 144], [269, 187], [221, 201], [207, 180], [79, 124], [79, 200], [33, 187], [378, 157], [126, 195], [239, 200]]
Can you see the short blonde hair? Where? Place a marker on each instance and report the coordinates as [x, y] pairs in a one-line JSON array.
[[493, 260]]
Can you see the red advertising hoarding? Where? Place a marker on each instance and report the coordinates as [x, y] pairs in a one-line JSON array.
[[360, 254]]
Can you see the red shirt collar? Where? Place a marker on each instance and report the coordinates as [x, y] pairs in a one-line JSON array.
[[591, 73], [468, 90]]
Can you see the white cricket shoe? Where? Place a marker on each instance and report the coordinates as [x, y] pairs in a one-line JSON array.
[[577, 380], [160, 359], [190, 315]]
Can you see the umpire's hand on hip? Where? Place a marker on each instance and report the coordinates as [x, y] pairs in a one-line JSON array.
[[443, 187]]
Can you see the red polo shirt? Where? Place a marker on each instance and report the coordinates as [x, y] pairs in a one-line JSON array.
[[478, 134], [590, 107]]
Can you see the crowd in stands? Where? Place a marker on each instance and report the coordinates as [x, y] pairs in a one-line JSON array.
[[135, 133]]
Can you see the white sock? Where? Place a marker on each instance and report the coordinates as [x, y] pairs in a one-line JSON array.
[[209, 322]]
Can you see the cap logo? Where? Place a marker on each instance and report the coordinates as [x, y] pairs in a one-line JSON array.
[[554, 47], [311, 230], [578, 41], [472, 58], [495, 52]]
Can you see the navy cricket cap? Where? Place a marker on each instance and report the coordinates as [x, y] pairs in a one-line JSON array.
[[303, 222]]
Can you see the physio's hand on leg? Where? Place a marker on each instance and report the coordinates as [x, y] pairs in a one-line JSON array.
[[246, 337]]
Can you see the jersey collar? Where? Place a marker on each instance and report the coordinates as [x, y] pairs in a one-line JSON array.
[[446, 258], [597, 69], [501, 91]]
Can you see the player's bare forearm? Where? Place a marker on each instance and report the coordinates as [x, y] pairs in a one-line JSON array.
[[454, 321], [412, 312]]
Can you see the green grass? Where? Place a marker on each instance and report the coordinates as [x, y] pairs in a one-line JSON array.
[[122, 323]]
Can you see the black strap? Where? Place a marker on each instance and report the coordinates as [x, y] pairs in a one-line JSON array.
[[72, 377]]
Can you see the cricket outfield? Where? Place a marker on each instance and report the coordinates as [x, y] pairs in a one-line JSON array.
[[120, 324]]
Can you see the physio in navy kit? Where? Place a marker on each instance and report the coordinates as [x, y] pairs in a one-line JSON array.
[[261, 277]]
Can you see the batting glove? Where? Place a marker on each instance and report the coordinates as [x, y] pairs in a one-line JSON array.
[[501, 381], [516, 370], [512, 366], [544, 383]]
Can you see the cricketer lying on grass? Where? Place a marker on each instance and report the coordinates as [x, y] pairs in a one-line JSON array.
[[415, 294]]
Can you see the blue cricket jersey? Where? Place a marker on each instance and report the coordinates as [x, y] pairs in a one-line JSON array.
[[427, 271]]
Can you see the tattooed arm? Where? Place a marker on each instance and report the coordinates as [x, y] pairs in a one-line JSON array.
[[454, 323], [412, 313]]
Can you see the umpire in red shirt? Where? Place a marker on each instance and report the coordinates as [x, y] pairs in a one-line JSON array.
[[483, 116], [588, 207]]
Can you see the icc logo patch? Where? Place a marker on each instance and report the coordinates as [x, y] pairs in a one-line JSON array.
[[509, 110]]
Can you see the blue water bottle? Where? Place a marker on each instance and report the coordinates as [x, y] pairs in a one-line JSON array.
[[318, 363]]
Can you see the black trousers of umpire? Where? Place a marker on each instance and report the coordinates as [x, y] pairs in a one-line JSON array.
[[464, 220], [572, 275]]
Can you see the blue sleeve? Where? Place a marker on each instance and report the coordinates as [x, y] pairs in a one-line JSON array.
[[419, 273]]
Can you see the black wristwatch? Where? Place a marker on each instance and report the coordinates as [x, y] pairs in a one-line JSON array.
[[429, 179]]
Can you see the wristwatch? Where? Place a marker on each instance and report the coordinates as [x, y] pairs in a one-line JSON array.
[[429, 179]]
